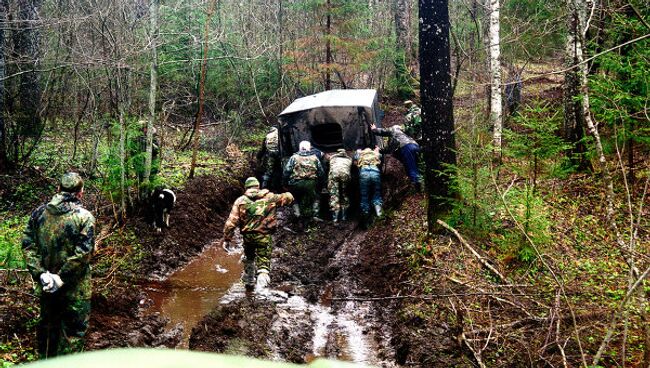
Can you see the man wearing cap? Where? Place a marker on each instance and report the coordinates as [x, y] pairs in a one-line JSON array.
[[337, 184], [302, 173], [57, 245], [254, 214]]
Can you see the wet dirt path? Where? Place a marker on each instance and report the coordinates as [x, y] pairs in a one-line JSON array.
[[193, 291]]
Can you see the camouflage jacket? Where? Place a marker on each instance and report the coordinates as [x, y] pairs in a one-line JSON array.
[[368, 158], [303, 165], [340, 164], [255, 212], [60, 238], [396, 134]]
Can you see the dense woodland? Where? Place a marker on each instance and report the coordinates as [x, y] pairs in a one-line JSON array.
[[531, 243]]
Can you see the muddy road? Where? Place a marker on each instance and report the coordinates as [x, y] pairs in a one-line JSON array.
[[314, 307]]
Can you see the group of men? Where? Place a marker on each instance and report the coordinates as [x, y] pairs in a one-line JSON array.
[[255, 212], [59, 238]]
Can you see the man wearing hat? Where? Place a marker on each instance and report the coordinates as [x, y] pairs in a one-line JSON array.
[[254, 214], [337, 184], [57, 245]]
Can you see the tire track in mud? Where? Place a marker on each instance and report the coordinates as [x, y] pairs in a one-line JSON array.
[[296, 319]]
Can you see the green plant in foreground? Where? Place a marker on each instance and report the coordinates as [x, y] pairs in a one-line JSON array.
[[11, 233]]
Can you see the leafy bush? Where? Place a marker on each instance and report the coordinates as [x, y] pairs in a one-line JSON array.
[[11, 232]]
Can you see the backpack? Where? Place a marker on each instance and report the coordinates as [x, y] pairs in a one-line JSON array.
[[368, 157], [305, 167], [256, 213]]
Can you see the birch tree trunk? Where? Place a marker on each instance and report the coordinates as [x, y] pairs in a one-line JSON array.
[[437, 109], [574, 121], [496, 114], [153, 87]]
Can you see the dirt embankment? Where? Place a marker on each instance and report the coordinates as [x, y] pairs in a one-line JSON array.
[[198, 218]]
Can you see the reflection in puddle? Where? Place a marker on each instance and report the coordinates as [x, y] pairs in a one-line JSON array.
[[192, 292]]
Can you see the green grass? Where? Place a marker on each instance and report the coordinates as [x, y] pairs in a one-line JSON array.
[[11, 232]]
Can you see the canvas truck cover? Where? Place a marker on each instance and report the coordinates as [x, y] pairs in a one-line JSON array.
[[331, 120]]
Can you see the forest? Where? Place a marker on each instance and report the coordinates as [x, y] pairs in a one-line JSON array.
[[527, 244]]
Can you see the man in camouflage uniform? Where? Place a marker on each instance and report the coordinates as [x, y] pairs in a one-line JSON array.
[[368, 161], [57, 245], [271, 154], [337, 184], [413, 124], [406, 149], [303, 173], [254, 214]]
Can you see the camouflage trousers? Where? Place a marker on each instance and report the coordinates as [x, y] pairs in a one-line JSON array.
[[64, 320], [304, 192], [270, 179], [257, 255], [337, 186]]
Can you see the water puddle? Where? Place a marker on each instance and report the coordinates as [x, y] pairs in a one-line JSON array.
[[193, 291]]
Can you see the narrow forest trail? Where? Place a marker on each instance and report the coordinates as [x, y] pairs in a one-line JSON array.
[[305, 314]]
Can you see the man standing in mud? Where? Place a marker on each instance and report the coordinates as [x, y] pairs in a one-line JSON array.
[[337, 184], [303, 172], [57, 245], [368, 161], [254, 214], [271, 154]]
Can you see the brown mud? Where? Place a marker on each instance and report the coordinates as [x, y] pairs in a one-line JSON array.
[[119, 318]]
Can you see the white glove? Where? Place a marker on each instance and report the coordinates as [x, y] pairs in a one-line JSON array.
[[51, 282], [46, 281]]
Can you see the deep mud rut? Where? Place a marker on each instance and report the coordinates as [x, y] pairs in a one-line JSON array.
[[315, 306]]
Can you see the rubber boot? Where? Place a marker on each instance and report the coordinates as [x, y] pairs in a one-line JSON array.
[[249, 274], [296, 210], [263, 280], [344, 214], [378, 210], [335, 216], [316, 209]]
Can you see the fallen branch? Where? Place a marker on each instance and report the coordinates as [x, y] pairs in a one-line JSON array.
[[617, 315], [474, 252]]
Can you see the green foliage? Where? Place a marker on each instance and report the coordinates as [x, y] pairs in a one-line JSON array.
[[529, 210], [11, 233], [535, 144], [127, 252], [620, 92]]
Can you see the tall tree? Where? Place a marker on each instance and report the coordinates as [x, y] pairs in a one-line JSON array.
[[328, 46], [437, 108], [153, 88], [3, 129], [27, 48], [204, 70], [494, 50], [402, 47], [574, 121]]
